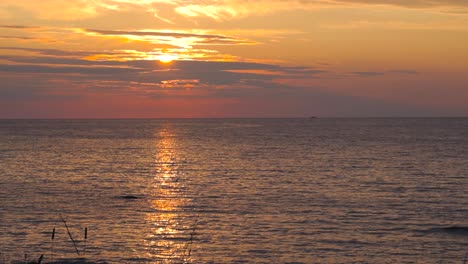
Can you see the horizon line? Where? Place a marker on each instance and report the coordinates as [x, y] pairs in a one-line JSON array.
[[302, 117]]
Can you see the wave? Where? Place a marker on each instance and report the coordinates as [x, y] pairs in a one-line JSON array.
[[130, 197], [453, 230]]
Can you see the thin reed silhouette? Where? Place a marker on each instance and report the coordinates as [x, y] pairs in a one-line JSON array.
[[70, 235], [85, 239], [52, 245]]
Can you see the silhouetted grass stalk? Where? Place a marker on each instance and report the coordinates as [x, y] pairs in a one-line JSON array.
[[189, 244], [52, 245], [85, 239], [70, 235]]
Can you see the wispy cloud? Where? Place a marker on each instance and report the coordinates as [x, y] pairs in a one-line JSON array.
[[17, 27], [16, 37], [124, 44], [53, 52], [52, 9], [368, 73], [224, 9], [405, 72], [380, 73], [409, 3], [392, 25], [215, 9], [173, 37]]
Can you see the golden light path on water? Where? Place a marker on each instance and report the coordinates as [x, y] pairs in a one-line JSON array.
[[168, 236]]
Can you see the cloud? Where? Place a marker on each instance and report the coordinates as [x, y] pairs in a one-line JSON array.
[[380, 73], [147, 44], [34, 89], [128, 55], [16, 37], [14, 31], [17, 27], [368, 73], [52, 9], [46, 69], [405, 72], [65, 10], [71, 78], [156, 33], [410, 3], [55, 52], [148, 77], [125, 56], [185, 39], [52, 82], [225, 9]]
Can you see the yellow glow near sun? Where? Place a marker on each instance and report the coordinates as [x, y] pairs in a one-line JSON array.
[[166, 58]]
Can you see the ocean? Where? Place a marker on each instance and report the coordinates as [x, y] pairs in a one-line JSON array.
[[323, 190]]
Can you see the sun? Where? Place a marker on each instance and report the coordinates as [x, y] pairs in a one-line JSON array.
[[166, 58]]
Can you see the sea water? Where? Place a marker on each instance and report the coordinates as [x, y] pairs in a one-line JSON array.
[[235, 190]]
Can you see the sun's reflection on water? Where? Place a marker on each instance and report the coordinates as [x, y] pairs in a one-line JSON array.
[[167, 236]]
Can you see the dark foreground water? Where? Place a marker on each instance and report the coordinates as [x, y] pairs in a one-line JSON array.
[[235, 190]]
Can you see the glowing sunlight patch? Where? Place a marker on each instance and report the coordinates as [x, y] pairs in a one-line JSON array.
[[166, 58]]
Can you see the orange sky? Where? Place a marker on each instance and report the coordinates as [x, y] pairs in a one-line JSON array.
[[233, 58]]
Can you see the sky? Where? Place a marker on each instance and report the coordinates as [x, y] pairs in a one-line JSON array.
[[233, 58]]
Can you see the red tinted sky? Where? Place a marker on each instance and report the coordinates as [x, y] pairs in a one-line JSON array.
[[233, 58]]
